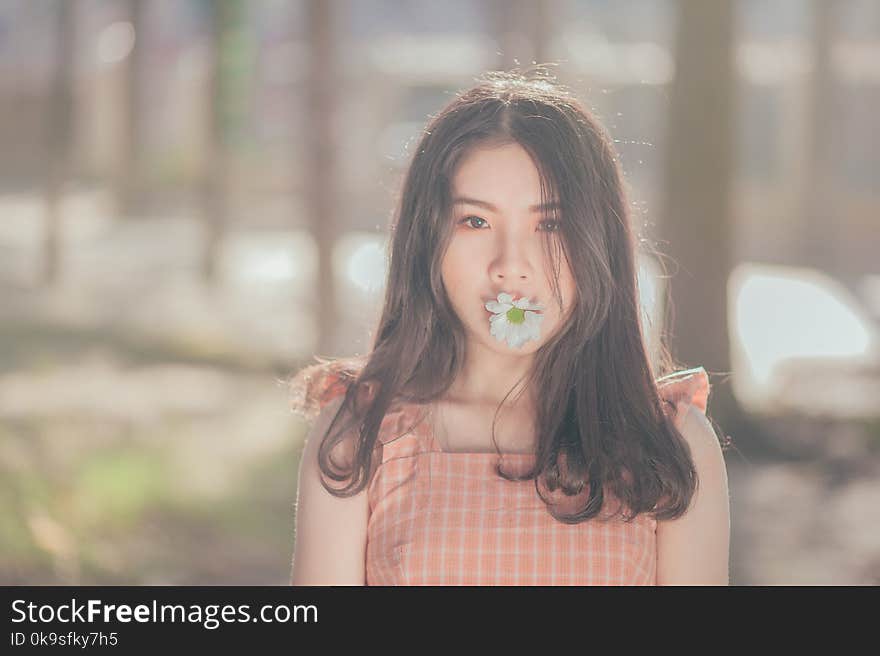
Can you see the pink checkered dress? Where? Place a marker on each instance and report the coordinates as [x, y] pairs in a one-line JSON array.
[[440, 518]]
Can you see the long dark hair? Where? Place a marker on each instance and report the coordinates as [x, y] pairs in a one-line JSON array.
[[601, 423]]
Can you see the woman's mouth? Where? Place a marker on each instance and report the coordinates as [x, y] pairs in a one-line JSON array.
[[511, 297], [514, 320]]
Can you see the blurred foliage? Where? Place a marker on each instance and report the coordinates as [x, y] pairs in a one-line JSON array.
[[92, 500]]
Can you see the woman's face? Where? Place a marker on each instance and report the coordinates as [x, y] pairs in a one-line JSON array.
[[497, 245]]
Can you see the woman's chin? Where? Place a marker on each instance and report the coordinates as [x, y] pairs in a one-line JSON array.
[[504, 348]]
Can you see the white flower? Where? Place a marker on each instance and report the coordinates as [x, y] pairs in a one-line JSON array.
[[516, 321]]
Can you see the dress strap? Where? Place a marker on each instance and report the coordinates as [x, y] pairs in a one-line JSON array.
[[681, 390], [315, 386]]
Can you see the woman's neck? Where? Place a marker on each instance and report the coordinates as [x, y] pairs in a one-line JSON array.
[[488, 378]]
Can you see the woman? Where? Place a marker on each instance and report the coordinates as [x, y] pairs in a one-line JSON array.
[[506, 427]]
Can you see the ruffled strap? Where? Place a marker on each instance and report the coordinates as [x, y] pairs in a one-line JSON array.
[[683, 389], [315, 386]]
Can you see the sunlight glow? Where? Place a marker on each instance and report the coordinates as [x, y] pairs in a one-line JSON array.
[[651, 287], [783, 313], [269, 256], [359, 259], [115, 42]]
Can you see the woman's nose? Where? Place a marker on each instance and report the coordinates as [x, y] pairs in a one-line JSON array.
[[511, 263]]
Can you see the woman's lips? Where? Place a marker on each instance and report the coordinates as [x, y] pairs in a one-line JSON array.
[[516, 297]]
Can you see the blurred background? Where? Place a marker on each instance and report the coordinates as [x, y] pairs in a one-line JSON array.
[[194, 201]]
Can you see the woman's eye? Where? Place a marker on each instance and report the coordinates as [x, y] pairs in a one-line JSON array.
[[468, 220], [548, 226]]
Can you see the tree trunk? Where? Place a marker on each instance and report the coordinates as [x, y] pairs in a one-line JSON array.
[[697, 221], [817, 185], [60, 137], [128, 178], [522, 31], [229, 92], [320, 157]]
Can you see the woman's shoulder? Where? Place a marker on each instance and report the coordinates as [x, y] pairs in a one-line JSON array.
[[324, 384]]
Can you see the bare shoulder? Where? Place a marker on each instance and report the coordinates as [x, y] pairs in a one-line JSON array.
[[694, 549], [704, 444], [331, 531], [318, 433]]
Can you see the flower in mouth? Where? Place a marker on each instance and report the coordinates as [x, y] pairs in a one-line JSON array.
[[516, 321]]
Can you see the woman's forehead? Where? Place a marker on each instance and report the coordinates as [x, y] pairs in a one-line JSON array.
[[535, 208], [500, 178]]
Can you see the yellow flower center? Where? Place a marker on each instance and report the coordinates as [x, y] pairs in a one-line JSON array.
[[516, 315]]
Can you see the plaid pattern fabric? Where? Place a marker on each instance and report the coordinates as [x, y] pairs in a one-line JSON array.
[[439, 518]]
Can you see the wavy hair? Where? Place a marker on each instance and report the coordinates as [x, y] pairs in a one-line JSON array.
[[601, 424]]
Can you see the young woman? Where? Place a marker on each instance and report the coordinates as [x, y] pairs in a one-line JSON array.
[[507, 427]]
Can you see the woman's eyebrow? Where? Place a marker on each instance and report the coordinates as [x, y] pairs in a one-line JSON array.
[[541, 207]]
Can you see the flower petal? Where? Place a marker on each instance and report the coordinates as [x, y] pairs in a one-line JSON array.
[[516, 335], [532, 323], [495, 306], [504, 297], [500, 328], [526, 304], [522, 337]]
